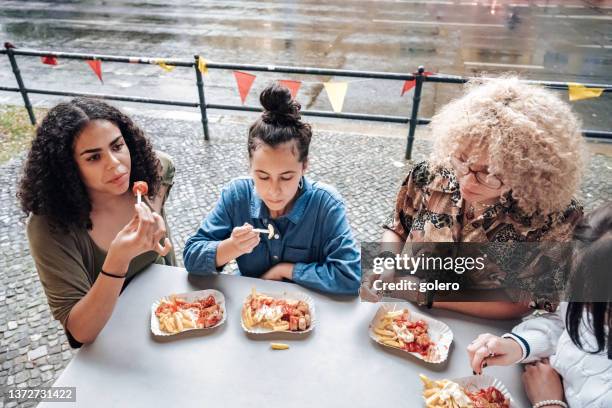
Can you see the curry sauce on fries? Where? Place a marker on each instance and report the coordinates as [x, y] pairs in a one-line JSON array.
[[176, 314], [275, 314], [449, 394], [395, 329]]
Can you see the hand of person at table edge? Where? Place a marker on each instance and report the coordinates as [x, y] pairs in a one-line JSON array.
[[280, 271], [542, 382], [488, 350], [142, 234]]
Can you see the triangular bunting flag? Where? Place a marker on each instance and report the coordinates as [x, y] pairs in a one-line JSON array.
[[96, 67], [294, 86], [578, 92], [336, 91], [165, 66], [202, 65], [244, 81], [49, 60], [408, 85], [411, 83]]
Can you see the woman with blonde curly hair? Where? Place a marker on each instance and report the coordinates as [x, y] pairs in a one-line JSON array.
[[506, 164]]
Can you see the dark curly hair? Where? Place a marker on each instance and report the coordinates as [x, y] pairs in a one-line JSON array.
[[280, 122], [51, 185]]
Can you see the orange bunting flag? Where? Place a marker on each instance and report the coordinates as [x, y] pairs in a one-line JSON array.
[[96, 67], [202, 65], [244, 81], [165, 66], [578, 92], [294, 86], [336, 91], [49, 60]]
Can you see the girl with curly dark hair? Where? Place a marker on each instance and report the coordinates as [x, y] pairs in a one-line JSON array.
[[87, 234], [312, 244]]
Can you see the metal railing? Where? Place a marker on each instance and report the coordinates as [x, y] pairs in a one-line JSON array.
[[420, 77]]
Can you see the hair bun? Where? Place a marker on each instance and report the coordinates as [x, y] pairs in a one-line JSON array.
[[279, 107]]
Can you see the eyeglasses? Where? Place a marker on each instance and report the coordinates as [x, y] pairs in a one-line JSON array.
[[483, 177]]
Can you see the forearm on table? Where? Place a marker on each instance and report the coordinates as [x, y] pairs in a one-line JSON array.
[[327, 277], [490, 310], [89, 315]]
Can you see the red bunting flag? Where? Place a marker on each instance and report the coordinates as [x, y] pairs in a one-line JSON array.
[[49, 60], [96, 67], [411, 83], [408, 85], [294, 86], [244, 81]]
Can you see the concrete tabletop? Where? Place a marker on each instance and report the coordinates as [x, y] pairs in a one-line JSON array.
[[335, 365]]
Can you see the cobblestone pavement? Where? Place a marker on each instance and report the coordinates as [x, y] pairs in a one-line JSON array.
[[365, 169]]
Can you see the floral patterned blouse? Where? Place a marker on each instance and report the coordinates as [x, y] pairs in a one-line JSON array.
[[429, 208]]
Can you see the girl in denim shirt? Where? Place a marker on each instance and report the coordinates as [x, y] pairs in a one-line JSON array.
[[312, 244]]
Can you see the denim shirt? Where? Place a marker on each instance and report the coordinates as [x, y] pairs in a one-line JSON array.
[[315, 236]]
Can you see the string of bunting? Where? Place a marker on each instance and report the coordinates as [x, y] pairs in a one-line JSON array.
[[336, 90]]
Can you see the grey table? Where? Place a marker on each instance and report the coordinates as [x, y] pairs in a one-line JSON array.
[[336, 365]]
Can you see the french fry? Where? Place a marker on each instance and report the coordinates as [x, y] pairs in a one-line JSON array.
[[384, 333], [281, 327], [250, 315], [170, 325], [427, 383], [246, 312], [178, 319], [188, 324], [391, 343], [279, 346], [162, 325]]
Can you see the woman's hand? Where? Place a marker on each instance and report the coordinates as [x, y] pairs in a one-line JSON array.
[[366, 290], [241, 241], [488, 349], [142, 234], [244, 240], [542, 382], [280, 271]]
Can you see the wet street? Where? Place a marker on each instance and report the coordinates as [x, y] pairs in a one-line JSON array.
[[551, 40]]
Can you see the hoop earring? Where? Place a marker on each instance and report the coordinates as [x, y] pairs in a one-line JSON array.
[[301, 184]]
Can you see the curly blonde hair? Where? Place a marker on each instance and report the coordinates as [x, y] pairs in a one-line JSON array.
[[532, 139]]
